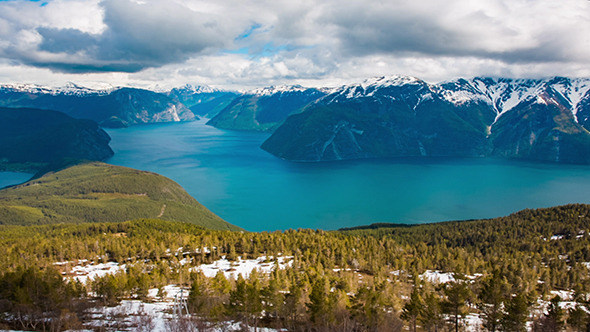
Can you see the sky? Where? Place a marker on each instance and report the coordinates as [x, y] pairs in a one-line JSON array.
[[245, 44]]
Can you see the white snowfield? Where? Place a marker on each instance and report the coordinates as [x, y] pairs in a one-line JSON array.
[[69, 89], [243, 267], [84, 272], [271, 90]]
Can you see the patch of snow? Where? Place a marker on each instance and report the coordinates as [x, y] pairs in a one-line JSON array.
[[271, 90], [243, 266], [437, 277], [563, 294], [85, 273], [394, 80], [194, 89], [69, 89], [473, 323]]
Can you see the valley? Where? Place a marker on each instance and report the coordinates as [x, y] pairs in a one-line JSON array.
[[118, 246]]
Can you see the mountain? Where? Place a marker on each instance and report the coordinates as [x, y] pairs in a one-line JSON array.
[[264, 109], [542, 120], [97, 192], [202, 100], [31, 139], [119, 107]]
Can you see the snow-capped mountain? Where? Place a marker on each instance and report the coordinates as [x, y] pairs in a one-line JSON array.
[[193, 89], [111, 107], [505, 94], [272, 90], [405, 116], [202, 100], [70, 89]]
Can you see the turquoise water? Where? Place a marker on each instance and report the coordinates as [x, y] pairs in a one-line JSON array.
[[228, 173], [11, 178]]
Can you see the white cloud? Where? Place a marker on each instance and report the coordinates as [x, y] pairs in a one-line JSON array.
[[248, 43]]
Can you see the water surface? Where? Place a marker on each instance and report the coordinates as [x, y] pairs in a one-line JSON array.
[[228, 173], [12, 178]]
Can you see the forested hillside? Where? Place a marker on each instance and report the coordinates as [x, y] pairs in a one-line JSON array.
[[98, 192], [33, 139], [499, 273]]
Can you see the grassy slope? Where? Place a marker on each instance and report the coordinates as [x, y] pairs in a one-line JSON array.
[[98, 192]]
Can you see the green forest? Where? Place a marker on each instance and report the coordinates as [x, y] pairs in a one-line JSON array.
[[364, 279]]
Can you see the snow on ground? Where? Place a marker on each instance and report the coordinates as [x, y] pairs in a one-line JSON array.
[[243, 266], [473, 323], [437, 277], [134, 315], [85, 273]]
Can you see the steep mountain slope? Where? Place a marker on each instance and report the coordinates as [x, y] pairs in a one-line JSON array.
[[404, 116], [110, 108], [97, 192], [543, 129], [264, 109], [202, 100], [31, 139], [384, 117]]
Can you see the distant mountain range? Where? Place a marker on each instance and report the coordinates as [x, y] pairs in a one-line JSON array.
[[541, 120], [397, 116], [116, 107]]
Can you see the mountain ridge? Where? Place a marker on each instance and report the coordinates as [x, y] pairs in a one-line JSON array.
[[404, 116]]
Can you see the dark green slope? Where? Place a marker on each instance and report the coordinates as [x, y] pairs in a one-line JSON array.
[[98, 192], [265, 110], [542, 130], [31, 139]]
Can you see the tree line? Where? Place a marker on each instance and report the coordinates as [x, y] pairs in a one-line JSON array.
[[364, 279]]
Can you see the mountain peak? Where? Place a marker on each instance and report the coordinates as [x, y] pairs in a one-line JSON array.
[[190, 88], [393, 80], [69, 88], [270, 90]]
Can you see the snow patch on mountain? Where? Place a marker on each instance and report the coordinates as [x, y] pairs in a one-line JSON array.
[[271, 90], [70, 89], [195, 89]]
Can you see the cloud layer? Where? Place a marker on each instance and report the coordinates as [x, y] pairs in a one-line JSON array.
[[246, 43]]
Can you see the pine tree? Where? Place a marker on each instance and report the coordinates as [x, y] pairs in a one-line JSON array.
[[492, 295], [431, 316], [413, 308], [553, 319], [318, 306], [516, 313], [578, 319], [457, 295]]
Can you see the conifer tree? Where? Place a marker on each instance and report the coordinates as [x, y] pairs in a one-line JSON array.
[[457, 294], [413, 308], [492, 294], [516, 313]]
